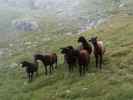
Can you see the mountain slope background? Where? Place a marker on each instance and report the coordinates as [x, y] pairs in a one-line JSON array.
[[113, 83], [70, 16]]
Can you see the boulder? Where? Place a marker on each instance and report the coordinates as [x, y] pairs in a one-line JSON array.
[[26, 25]]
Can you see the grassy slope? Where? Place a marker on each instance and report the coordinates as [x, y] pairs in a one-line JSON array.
[[113, 83]]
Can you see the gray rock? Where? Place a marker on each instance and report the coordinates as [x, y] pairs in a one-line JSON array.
[[25, 25]]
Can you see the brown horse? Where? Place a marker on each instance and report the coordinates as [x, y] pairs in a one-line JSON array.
[[98, 51], [48, 60], [83, 61]]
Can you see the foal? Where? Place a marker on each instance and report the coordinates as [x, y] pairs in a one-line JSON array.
[[99, 51], [48, 60], [30, 68]]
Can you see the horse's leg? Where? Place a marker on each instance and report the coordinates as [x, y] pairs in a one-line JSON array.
[[96, 58], [31, 76], [84, 68], [46, 72], [28, 74], [56, 64], [51, 68], [69, 68], [37, 68], [80, 70], [87, 65], [101, 60]]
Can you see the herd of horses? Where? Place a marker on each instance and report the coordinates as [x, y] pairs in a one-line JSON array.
[[72, 57]]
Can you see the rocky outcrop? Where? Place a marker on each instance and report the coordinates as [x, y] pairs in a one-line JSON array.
[[26, 25]]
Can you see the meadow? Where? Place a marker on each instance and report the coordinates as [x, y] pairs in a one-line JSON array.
[[113, 83]]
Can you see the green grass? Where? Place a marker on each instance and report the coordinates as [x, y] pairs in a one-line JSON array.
[[113, 83]]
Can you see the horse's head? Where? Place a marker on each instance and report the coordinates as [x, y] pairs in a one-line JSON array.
[[81, 39], [23, 64], [93, 40], [70, 47], [38, 57], [65, 50]]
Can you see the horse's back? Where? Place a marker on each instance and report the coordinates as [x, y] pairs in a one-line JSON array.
[[83, 56], [50, 58]]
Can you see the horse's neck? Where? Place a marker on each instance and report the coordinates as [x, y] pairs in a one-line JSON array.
[[96, 46], [85, 42], [40, 59], [28, 64]]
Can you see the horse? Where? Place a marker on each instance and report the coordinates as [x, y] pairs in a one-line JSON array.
[[85, 44], [83, 61], [99, 51], [47, 60], [30, 68], [70, 57]]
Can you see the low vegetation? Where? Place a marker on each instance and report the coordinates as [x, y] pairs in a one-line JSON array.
[[113, 83]]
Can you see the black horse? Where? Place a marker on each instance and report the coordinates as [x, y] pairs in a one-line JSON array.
[[85, 44], [70, 57], [30, 68]]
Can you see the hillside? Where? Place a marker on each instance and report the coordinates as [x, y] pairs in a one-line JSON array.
[[113, 83], [63, 15], [60, 25]]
